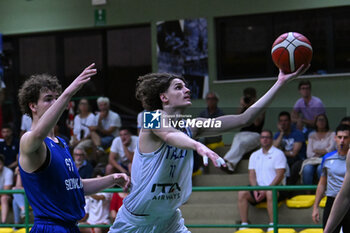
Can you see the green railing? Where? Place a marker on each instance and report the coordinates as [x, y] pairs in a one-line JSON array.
[[274, 189]]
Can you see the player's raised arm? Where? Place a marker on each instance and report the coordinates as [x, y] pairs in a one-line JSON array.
[[230, 122], [46, 108]]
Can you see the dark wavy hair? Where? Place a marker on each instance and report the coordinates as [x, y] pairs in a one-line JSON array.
[[327, 123], [32, 87], [150, 86]]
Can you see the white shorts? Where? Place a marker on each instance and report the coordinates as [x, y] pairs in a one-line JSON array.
[[127, 222]]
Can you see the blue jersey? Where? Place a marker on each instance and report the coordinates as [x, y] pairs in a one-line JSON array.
[[56, 191]]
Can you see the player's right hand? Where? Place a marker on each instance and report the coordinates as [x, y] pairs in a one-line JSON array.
[[284, 78], [83, 78], [207, 153], [316, 215], [122, 180]]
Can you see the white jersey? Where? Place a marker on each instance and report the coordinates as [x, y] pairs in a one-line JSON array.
[[161, 181]]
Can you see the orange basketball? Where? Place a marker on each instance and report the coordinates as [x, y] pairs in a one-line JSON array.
[[290, 50]]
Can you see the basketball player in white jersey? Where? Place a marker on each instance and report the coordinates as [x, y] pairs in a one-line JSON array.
[[162, 164]]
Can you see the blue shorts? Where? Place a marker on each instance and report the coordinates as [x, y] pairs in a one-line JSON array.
[[53, 226], [106, 141]]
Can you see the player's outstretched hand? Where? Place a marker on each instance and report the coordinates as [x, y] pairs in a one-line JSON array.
[[284, 78], [207, 153], [83, 78], [122, 180]]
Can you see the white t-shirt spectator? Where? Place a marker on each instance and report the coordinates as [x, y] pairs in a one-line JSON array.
[[98, 210], [6, 177], [117, 147], [113, 119], [81, 124], [265, 165], [26, 123]]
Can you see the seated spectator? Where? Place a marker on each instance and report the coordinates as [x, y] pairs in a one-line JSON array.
[[81, 124], [18, 199], [122, 152], [84, 167], [97, 208], [9, 147], [116, 203], [6, 182], [320, 143], [292, 142], [306, 109], [105, 126], [248, 137], [212, 111], [267, 167], [26, 124]]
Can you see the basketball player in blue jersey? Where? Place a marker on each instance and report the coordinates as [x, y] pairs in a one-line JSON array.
[[50, 179], [162, 163]]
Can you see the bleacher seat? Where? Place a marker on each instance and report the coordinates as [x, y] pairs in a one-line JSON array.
[[263, 205], [6, 230], [22, 230], [284, 230], [323, 202], [251, 230], [312, 230], [301, 201]]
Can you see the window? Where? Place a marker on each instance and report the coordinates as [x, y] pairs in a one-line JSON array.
[[244, 42]]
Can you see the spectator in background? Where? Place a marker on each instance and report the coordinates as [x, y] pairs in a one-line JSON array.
[[292, 142], [248, 137], [26, 124], [84, 167], [9, 147], [345, 120], [105, 126], [2, 98], [330, 183], [267, 167], [212, 111], [6, 182], [18, 199], [81, 124], [320, 143], [306, 108], [122, 152], [116, 203], [97, 208]]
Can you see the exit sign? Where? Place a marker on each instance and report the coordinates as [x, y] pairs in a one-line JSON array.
[[100, 17]]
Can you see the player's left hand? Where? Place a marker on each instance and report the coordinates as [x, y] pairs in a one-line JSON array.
[[122, 180]]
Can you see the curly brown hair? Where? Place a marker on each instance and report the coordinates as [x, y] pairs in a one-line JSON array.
[[32, 87], [150, 86]]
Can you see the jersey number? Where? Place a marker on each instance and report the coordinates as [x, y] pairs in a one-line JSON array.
[[69, 164], [172, 170]]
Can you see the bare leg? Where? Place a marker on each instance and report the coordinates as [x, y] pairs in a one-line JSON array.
[[269, 205], [243, 201], [5, 199]]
